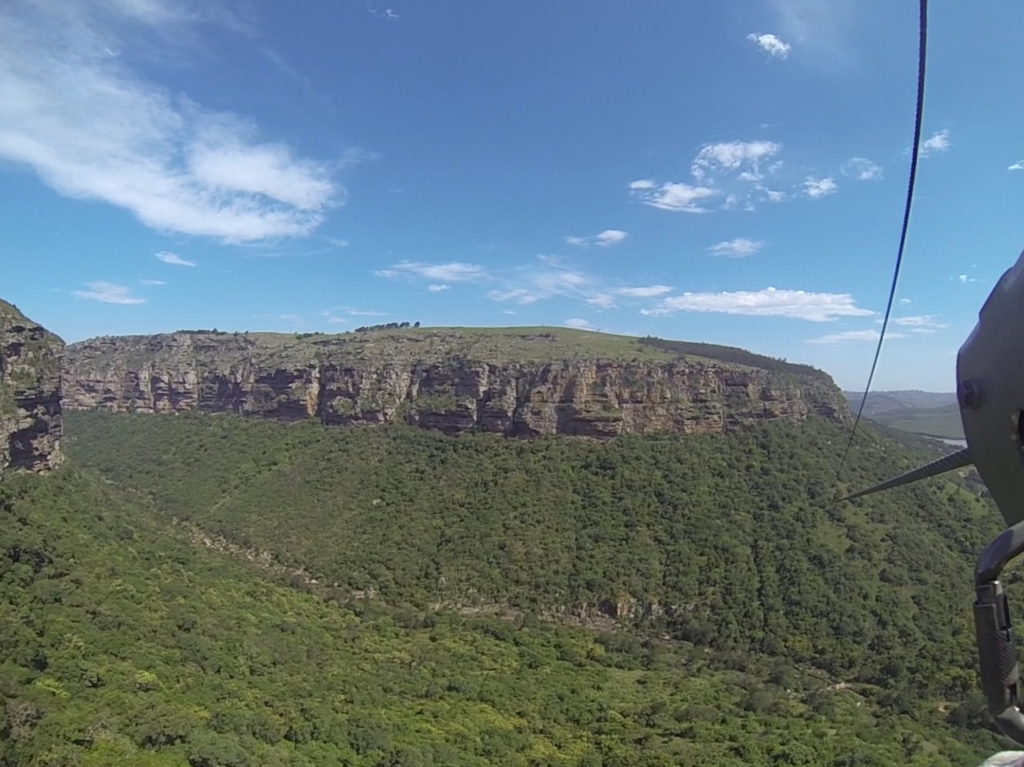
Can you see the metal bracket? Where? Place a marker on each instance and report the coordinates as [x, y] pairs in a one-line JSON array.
[[997, 647]]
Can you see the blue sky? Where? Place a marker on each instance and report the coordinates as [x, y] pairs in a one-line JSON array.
[[722, 172]]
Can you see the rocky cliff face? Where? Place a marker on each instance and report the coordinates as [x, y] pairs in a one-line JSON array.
[[30, 397], [415, 378]]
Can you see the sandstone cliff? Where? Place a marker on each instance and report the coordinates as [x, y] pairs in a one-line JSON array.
[[517, 382], [30, 402]]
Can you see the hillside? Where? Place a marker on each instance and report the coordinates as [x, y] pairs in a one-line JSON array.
[[513, 381], [725, 540], [932, 414], [123, 644]]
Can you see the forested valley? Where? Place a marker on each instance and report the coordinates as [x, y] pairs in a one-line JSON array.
[[217, 591]]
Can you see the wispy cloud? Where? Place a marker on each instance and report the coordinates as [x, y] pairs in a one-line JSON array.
[[581, 324], [740, 247], [743, 156], [861, 169], [821, 26], [644, 291], [453, 271], [852, 335], [531, 285], [109, 293], [603, 239], [438, 288], [334, 315], [938, 142], [129, 142], [674, 196], [920, 323], [333, 318], [601, 300], [816, 188], [145, 281], [1019, 165], [770, 302], [173, 259], [770, 44]]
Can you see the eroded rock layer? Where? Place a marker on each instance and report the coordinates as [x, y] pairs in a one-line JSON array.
[[442, 379], [30, 395]]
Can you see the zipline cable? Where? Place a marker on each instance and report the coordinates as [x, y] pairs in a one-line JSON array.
[[922, 48]]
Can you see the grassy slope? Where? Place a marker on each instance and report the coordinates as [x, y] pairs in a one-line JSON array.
[[123, 644], [526, 345]]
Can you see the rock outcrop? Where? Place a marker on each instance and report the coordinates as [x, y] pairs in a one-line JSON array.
[[440, 380], [30, 395]]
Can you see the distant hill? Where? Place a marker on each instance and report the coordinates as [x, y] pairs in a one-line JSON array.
[[933, 414]]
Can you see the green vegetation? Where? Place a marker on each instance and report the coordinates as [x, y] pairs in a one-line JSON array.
[[499, 346], [123, 644], [731, 354], [729, 541], [928, 413]]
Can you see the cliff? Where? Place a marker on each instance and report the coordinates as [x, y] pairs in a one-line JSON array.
[[514, 381], [30, 399]]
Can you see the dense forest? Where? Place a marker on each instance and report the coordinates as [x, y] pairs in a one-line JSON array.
[[124, 644], [398, 597]]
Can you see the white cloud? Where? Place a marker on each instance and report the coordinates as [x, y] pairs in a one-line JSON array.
[[337, 242], [772, 195], [861, 169], [174, 259], [601, 301], [939, 142], [288, 317], [678, 197], [365, 313], [519, 295], [610, 237], [109, 293], [603, 239], [437, 288], [333, 318], [922, 322], [733, 155], [454, 271], [128, 142], [642, 183], [644, 291], [528, 284], [905, 301], [152, 282], [770, 44], [738, 248], [852, 335], [770, 302], [819, 187], [576, 322], [1019, 165]]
